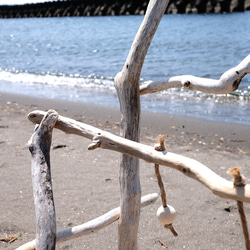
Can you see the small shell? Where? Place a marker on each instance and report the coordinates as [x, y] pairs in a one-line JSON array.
[[166, 215]]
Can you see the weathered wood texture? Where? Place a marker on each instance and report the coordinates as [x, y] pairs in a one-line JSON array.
[[92, 226], [127, 85], [189, 167], [228, 82], [39, 146]]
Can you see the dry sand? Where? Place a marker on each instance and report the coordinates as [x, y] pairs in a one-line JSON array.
[[86, 185]]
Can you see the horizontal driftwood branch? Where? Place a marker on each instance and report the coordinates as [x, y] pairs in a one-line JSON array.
[[92, 226], [227, 83], [190, 167]]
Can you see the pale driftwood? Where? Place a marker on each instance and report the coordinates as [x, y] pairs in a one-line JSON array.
[[39, 146], [227, 83], [127, 85], [92, 226], [191, 168]]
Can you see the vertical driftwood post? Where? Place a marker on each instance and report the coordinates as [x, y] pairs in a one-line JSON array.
[[39, 146], [127, 85]]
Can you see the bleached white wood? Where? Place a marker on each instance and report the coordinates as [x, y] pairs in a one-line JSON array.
[[190, 167], [227, 83], [39, 146], [92, 226], [127, 85], [68, 125]]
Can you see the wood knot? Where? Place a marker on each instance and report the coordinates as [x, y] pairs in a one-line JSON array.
[[187, 84], [31, 148], [236, 83], [31, 115], [95, 144]]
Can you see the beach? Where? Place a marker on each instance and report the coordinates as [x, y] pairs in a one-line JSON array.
[[86, 183]]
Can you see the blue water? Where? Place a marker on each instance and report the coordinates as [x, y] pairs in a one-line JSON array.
[[77, 58]]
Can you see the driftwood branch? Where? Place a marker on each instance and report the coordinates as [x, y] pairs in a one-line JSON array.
[[191, 168], [227, 83], [92, 226], [127, 85], [39, 146]]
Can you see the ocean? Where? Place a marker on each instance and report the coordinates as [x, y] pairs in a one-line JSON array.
[[77, 58]]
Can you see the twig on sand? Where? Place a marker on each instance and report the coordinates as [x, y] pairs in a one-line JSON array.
[[161, 243], [11, 238]]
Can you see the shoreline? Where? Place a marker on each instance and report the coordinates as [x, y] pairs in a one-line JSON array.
[[223, 135], [216, 110], [86, 183]]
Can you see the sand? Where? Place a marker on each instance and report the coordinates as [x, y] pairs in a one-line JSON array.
[[86, 183]]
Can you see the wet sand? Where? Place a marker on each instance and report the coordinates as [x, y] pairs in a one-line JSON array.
[[86, 183]]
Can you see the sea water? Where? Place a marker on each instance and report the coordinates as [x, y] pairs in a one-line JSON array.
[[77, 58]]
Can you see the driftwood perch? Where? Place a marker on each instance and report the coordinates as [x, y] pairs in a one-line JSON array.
[[189, 167], [127, 85], [39, 146], [92, 226], [228, 82]]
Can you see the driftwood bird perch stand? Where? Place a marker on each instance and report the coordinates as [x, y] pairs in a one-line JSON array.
[[127, 83], [102, 139]]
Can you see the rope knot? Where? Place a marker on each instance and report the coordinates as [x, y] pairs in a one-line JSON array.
[[239, 180]]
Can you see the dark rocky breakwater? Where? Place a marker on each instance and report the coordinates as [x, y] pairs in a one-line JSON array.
[[114, 7]]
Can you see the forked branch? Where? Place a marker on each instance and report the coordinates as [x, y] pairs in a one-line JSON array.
[[127, 85], [92, 226], [227, 83], [191, 168]]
